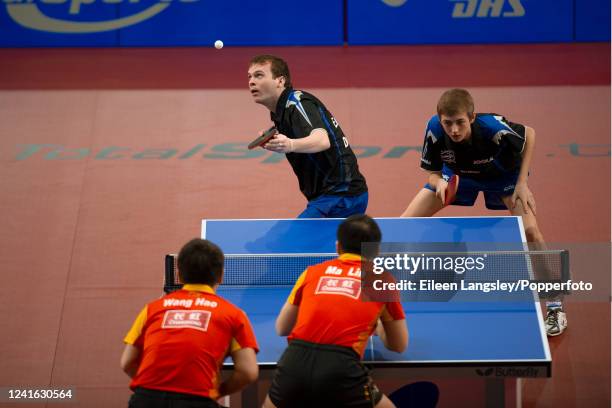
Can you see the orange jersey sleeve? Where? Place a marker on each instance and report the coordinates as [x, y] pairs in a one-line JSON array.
[[244, 337], [135, 333], [392, 311], [295, 297]]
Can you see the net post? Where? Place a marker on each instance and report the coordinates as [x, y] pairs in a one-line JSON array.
[[171, 282], [565, 268]]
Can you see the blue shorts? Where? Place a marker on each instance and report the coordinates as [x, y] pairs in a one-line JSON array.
[[334, 206], [493, 190]]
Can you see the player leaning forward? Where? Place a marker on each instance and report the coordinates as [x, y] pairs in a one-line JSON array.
[[177, 344], [489, 154], [312, 141], [329, 329]]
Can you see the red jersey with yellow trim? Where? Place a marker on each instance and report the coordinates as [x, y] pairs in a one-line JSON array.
[[184, 338], [330, 308]]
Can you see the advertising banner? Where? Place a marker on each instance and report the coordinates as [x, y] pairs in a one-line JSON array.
[[111, 23], [459, 21]]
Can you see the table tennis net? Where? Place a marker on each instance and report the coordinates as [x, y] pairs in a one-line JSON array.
[[285, 269]]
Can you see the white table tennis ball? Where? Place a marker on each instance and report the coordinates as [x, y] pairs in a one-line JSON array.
[[218, 44]]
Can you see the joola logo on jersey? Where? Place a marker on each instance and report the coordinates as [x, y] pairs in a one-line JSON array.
[[484, 161], [448, 156], [487, 8], [27, 13]]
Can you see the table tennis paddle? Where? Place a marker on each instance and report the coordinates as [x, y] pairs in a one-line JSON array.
[[263, 139], [451, 190]]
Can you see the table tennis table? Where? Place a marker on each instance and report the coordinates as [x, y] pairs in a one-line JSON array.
[[496, 342]]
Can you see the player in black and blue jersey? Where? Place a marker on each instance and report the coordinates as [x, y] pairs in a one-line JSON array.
[[489, 154], [312, 141]]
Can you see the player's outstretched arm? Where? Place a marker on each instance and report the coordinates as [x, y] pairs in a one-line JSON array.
[[436, 180], [130, 360], [245, 372], [393, 334], [286, 319], [315, 142], [521, 191]]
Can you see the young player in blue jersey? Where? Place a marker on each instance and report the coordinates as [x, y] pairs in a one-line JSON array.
[[489, 154]]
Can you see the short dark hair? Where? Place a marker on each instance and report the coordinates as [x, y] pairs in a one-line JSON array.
[[356, 230], [278, 66], [200, 261], [455, 101]]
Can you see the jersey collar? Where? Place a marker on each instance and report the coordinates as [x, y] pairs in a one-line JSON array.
[[347, 256], [198, 287], [280, 105]]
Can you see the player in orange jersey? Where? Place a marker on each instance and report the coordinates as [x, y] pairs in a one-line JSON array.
[[176, 346], [329, 325]]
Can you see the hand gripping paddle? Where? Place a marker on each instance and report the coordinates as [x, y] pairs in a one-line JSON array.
[[263, 139], [451, 190]]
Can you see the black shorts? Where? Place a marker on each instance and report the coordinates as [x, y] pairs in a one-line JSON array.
[[146, 398], [321, 375]]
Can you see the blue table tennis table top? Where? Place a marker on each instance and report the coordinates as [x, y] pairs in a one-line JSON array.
[[442, 334]]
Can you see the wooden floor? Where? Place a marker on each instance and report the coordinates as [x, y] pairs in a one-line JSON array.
[[110, 158]]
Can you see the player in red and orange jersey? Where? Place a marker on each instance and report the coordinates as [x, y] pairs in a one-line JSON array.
[[329, 324], [176, 346]]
